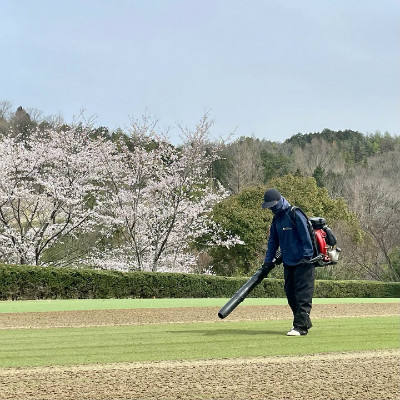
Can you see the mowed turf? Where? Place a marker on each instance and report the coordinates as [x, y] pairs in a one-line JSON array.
[[63, 346], [114, 304]]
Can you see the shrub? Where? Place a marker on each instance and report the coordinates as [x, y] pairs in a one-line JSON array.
[[22, 282]]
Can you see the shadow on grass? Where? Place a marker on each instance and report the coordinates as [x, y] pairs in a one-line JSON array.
[[219, 332]]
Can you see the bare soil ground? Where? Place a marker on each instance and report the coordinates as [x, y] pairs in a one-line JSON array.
[[347, 376], [180, 315], [358, 376]]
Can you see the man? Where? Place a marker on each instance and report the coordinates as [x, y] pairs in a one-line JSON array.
[[296, 247]]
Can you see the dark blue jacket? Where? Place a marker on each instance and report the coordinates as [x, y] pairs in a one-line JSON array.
[[293, 240]]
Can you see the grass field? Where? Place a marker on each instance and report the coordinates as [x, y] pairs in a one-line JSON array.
[[109, 304], [156, 342], [40, 347], [61, 350]]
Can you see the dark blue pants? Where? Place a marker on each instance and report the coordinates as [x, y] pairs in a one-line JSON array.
[[299, 289]]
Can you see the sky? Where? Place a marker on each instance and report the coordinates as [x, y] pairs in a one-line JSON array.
[[263, 68]]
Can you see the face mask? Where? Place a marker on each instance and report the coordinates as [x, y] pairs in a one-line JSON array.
[[276, 208]]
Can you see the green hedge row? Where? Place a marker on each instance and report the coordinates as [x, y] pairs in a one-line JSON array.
[[28, 283]]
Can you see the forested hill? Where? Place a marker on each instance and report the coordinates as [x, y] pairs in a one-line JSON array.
[[324, 155], [355, 143]]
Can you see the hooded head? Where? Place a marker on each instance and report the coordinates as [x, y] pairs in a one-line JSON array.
[[274, 201], [271, 198]]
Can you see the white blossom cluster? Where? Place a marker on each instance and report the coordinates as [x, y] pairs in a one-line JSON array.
[[154, 197]]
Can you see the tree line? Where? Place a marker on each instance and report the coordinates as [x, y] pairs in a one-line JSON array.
[[143, 204]]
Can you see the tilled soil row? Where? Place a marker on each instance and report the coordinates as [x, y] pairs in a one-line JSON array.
[[181, 315], [350, 376]]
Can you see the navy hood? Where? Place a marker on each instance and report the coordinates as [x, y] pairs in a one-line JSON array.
[[281, 206]]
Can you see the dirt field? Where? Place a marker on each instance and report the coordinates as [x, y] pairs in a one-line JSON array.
[[347, 376], [187, 314]]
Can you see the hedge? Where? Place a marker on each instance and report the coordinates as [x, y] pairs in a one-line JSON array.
[[21, 282]]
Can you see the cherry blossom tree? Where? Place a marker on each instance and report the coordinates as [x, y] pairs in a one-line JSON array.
[[51, 187], [145, 201], [162, 199]]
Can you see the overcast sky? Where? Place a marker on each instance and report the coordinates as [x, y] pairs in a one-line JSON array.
[[269, 68]]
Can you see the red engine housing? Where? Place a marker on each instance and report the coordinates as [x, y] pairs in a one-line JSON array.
[[320, 237]]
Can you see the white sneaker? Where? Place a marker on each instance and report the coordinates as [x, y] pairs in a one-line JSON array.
[[295, 332]]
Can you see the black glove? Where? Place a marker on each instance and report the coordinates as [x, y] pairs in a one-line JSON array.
[[268, 267]]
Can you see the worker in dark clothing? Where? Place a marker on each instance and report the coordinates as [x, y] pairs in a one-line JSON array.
[[296, 247]]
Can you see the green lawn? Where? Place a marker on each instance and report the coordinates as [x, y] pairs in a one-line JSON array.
[[110, 304], [224, 339], [39, 347]]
